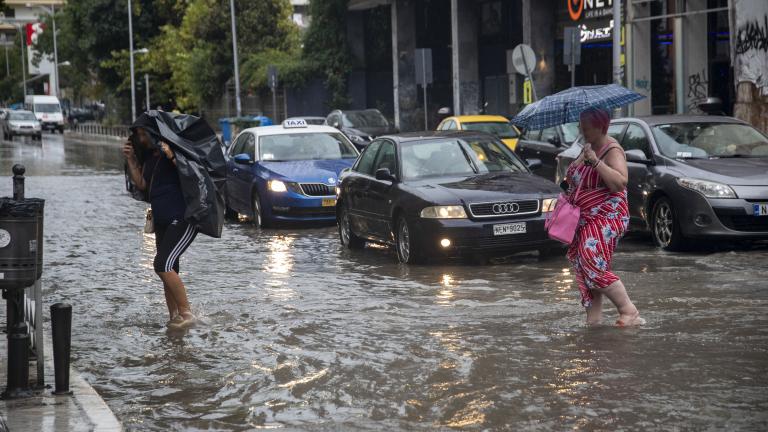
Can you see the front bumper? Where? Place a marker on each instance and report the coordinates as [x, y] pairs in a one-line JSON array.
[[734, 218], [51, 125], [472, 236], [294, 207], [26, 132]]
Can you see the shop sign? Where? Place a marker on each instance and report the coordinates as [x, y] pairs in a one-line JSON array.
[[595, 32], [589, 9]]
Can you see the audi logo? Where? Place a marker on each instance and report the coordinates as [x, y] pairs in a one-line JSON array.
[[505, 208]]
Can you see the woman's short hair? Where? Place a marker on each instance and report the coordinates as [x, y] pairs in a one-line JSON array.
[[597, 117]]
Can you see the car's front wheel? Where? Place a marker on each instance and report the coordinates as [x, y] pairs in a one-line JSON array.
[[665, 226], [348, 238], [408, 251], [257, 212]]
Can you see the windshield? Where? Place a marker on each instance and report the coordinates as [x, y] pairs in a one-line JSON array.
[[701, 140], [47, 108], [368, 118], [500, 129], [454, 157], [22, 116], [305, 146], [570, 132]]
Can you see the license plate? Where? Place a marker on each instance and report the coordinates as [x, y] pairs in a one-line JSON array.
[[511, 228], [329, 202], [761, 209]]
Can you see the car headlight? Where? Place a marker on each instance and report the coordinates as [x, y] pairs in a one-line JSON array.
[[277, 186], [444, 212], [338, 191], [548, 205], [707, 188]]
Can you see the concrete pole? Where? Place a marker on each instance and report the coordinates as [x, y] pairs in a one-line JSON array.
[[7, 66], [146, 84], [455, 57], [238, 104], [679, 65], [617, 41], [133, 84], [55, 51], [395, 65]]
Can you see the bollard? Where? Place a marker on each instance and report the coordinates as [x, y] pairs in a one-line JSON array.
[[18, 182], [61, 328], [18, 346]]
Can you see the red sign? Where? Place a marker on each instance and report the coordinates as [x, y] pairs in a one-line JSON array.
[[34, 30]]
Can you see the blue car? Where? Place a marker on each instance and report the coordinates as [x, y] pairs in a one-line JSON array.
[[286, 173]]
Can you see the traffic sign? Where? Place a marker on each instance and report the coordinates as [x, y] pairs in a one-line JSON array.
[[527, 92], [571, 46], [423, 66], [524, 60]]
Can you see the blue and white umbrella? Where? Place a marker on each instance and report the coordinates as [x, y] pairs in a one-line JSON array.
[[566, 106]]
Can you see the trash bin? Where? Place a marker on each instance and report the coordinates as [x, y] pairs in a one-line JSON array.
[[231, 126], [21, 242]]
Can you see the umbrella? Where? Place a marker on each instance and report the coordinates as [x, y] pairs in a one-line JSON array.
[[565, 107]]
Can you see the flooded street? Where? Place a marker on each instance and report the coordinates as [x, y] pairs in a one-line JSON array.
[[300, 334]]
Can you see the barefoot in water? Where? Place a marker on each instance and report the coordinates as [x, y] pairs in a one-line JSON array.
[[186, 320], [174, 321], [630, 320]]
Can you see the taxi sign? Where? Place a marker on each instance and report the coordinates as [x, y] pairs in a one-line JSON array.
[[294, 123]]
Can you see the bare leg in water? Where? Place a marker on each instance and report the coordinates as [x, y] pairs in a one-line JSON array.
[[628, 313], [174, 288], [173, 310], [595, 312]]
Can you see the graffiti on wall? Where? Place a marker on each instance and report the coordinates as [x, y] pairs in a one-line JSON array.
[[752, 36], [751, 42], [698, 89]]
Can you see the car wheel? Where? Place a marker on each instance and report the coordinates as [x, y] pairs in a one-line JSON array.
[[665, 226], [257, 215], [348, 238], [407, 250], [229, 214]]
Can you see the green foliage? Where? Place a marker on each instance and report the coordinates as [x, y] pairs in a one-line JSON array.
[[11, 90], [325, 44]]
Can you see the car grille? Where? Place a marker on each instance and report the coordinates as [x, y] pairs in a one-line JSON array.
[[317, 189], [504, 208], [745, 223]]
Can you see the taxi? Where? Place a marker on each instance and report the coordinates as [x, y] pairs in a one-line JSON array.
[[493, 124], [287, 172]]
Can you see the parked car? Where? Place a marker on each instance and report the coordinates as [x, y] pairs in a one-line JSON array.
[[444, 194], [545, 145], [47, 109], [360, 126], [317, 121], [18, 123], [287, 172], [80, 115], [492, 124], [692, 177]]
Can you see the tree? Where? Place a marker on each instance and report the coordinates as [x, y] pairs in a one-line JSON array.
[[325, 45]]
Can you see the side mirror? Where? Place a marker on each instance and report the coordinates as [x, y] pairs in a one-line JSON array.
[[637, 156], [385, 175], [533, 164], [243, 158]]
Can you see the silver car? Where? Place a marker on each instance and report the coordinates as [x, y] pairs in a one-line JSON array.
[[691, 177], [16, 123]]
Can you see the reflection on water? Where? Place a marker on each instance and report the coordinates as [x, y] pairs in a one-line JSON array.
[[303, 334]]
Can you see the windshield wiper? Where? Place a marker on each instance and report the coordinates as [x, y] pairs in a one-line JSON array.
[[737, 155]]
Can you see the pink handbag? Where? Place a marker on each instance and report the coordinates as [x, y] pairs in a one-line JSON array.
[[562, 223]]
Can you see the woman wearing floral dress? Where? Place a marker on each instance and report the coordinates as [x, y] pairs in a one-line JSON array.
[[600, 176]]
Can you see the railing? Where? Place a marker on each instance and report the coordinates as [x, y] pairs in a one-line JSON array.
[[92, 128]]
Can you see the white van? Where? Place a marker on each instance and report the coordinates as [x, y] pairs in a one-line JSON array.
[[47, 109]]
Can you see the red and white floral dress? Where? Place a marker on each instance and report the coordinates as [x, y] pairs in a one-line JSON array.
[[604, 220]]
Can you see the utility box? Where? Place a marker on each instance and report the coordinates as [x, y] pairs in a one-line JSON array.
[[21, 242]]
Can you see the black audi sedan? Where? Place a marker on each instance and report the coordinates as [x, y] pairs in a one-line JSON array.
[[691, 177], [444, 194]]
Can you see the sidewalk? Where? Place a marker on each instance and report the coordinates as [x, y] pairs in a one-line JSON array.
[[84, 410]]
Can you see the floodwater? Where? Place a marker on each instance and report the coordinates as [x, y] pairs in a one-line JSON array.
[[302, 335]]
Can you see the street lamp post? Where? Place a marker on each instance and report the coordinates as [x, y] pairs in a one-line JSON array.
[[133, 84], [23, 63], [146, 84], [238, 104]]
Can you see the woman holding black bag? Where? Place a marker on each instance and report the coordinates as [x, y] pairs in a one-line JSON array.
[[153, 171]]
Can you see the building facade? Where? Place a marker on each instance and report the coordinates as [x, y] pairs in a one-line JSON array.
[[676, 52]]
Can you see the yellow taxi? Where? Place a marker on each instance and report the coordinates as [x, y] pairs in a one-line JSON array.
[[493, 124]]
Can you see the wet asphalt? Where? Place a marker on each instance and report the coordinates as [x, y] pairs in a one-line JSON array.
[[300, 334]]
